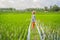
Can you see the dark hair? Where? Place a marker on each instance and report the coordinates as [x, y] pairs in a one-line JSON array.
[[33, 12]]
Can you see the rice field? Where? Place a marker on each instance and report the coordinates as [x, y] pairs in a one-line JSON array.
[[14, 26], [50, 23]]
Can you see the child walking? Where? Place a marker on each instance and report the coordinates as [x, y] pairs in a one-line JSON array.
[[33, 19]]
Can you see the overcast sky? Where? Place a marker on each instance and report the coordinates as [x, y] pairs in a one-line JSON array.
[[22, 4]]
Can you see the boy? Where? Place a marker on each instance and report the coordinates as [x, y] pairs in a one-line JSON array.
[[33, 19]]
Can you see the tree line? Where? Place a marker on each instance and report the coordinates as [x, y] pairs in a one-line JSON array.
[[52, 8]]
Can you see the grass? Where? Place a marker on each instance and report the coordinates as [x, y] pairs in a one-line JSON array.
[[34, 35], [14, 26], [50, 23]]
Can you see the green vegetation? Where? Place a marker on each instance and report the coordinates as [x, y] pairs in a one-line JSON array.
[[34, 34], [14, 25], [50, 23]]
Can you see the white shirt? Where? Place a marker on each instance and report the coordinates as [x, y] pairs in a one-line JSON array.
[[33, 18]]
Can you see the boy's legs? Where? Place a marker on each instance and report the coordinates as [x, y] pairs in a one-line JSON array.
[[33, 24]]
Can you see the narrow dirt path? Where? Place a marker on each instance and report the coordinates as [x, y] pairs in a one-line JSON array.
[[34, 34]]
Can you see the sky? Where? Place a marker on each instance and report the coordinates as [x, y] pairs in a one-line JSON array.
[[22, 4]]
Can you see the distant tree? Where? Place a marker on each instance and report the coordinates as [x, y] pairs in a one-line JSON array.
[[59, 8], [51, 8], [46, 8], [7, 9], [55, 8]]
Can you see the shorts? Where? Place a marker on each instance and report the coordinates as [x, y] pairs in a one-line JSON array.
[[33, 24]]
